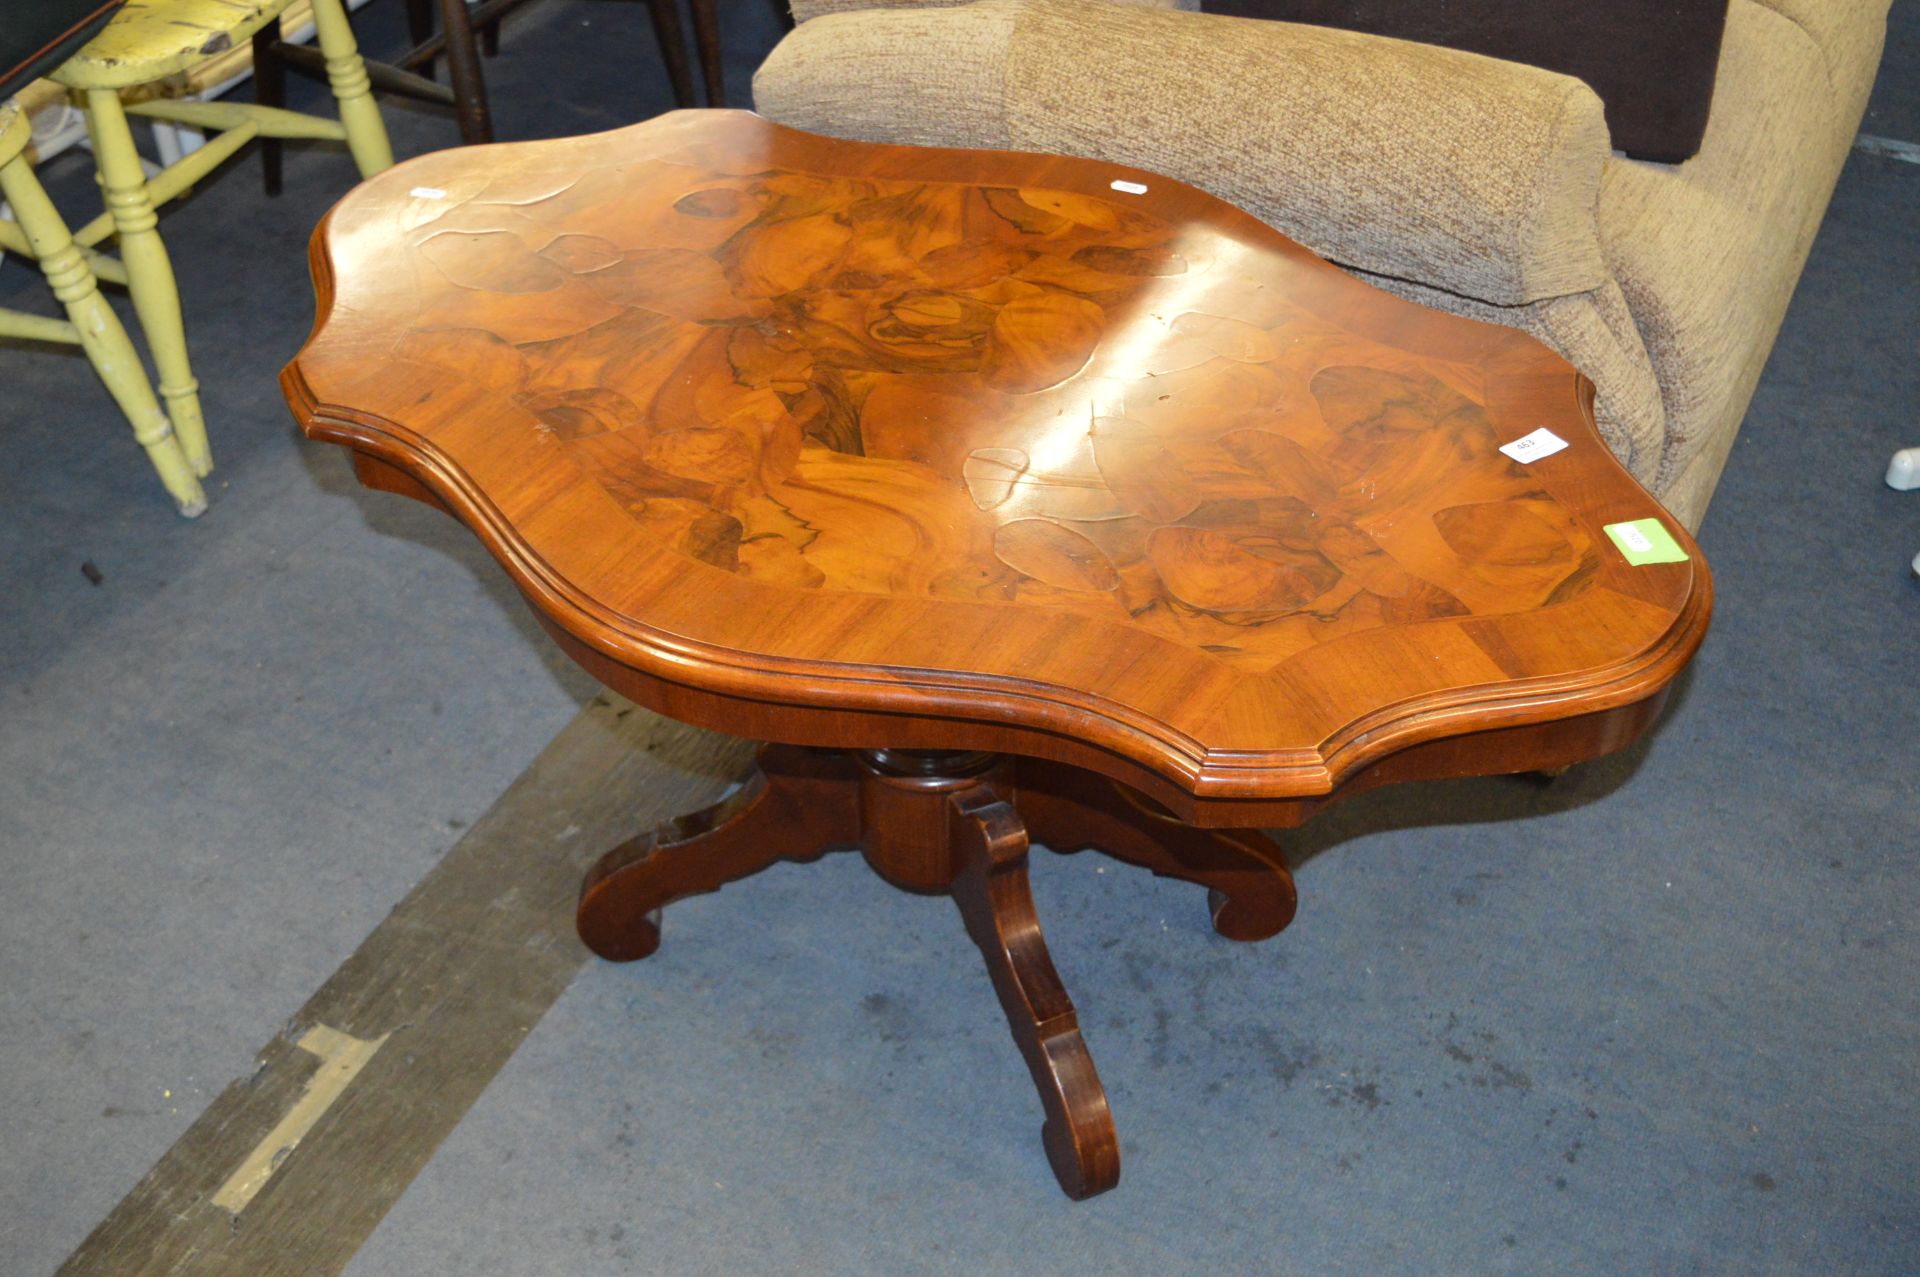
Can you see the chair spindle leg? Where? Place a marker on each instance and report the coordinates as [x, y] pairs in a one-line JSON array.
[[156, 298]]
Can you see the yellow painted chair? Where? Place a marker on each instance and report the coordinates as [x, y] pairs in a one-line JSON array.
[[145, 44], [36, 231]]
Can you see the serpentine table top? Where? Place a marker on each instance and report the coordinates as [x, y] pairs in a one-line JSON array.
[[948, 455], [782, 424]]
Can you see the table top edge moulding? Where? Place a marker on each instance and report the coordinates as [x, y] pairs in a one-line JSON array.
[[1163, 592]]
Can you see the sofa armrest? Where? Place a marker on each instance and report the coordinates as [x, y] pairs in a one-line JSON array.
[[1448, 169]]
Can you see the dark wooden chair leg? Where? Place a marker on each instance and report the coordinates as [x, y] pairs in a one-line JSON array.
[[797, 806], [673, 49], [706, 34], [420, 30], [269, 89], [989, 844], [1248, 883], [463, 68]]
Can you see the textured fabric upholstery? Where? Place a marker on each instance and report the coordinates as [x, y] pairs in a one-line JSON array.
[[1480, 187], [1709, 251], [1459, 171], [1847, 31], [924, 76], [1473, 175]]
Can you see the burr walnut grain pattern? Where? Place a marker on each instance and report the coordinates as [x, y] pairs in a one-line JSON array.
[[862, 445]]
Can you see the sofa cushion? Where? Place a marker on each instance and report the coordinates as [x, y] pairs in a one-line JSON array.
[[922, 76], [1651, 61]]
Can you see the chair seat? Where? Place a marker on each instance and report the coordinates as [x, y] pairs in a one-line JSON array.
[[151, 39]]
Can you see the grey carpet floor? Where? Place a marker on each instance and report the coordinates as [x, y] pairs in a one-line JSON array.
[[1660, 1017]]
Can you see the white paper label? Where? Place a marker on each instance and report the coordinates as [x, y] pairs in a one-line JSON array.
[[427, 193], [1128, 188], [1541, 443]]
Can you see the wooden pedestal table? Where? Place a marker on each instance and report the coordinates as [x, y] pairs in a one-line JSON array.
[[1021, 499]]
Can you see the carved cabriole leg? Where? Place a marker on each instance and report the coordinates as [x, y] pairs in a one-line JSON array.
[[1249, 886], [352, 91], [989, 847], [99, 332], [796, 806], [149, 271]]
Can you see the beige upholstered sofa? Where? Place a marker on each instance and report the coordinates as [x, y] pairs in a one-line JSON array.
[[1479, 186]]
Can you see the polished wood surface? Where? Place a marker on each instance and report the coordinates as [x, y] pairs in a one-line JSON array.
[[972, 449]]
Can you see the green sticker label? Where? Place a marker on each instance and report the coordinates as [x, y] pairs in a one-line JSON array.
[[1646, 541]]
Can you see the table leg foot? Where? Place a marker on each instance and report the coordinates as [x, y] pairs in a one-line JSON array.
[[1250, 888], [797, 805], [989, 842]]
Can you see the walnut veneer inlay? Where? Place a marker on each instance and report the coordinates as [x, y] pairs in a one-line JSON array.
[[1057, 432], [982, 392]]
